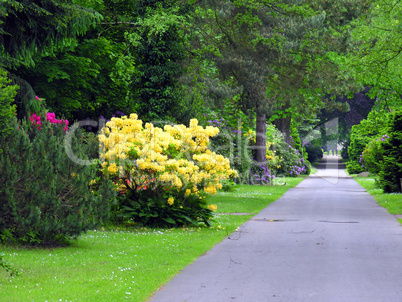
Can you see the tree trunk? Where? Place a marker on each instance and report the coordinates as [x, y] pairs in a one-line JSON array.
[[283, 125], [261, 129]]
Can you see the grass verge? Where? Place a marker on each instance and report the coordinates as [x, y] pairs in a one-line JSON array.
[[392, 202], [127, 263]]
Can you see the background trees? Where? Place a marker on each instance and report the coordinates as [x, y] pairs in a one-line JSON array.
[[377, 60], [250, 42], [39, 27], [280, 53], [276, 61], [158, 49], [33, 29]]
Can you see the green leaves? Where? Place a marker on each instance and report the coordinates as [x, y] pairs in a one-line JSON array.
[[9, 267], [7, 111], [29, 28], [159, 20], [377, 60], [158, 52], [92, 79]]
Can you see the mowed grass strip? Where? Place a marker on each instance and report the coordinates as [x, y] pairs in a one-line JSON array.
[[392, 202], [130, 264]]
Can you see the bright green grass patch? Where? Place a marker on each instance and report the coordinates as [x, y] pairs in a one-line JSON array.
[[252, 199], [127, 263], [392, 202]]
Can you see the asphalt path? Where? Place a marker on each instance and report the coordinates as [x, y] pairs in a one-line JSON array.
[[324, 240]]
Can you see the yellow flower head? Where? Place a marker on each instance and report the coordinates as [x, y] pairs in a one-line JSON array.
[[212, 207], [113, 168], [193, 123], [170, 201]]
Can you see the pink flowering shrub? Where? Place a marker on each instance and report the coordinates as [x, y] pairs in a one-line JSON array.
[[51, 117]]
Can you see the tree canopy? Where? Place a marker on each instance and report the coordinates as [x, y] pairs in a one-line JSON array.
[[278, 52], [38, 27], [281, 58], [377, 61]]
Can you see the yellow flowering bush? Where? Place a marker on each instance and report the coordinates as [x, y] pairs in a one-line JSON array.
[[164, 174]]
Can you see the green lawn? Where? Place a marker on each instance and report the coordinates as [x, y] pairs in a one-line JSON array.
[[127, 263], [392, 202]]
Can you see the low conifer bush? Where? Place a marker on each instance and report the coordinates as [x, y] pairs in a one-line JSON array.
[[45, 197]]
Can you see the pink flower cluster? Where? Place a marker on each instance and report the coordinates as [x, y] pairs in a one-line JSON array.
[[51, 117], [36, 118]]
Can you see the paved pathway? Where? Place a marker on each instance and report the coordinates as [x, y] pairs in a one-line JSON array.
[[329, 241]]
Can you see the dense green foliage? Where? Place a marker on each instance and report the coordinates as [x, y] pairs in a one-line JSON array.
[[7, 94], [130, 62], [362, 134], [30, 30], [158, 51], [372, 155], [390, 174], [38, 27], [255, 46], [314, 153], [85, 82], [46, 198], [376, 61]]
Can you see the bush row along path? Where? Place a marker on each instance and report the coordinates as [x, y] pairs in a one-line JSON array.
[[325, 240]]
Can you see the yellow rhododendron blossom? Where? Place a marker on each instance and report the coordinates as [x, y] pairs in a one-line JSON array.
[[170, 201], [212, 207], [174, 159], [113, 168]]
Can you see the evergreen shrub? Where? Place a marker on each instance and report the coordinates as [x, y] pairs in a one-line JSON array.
[[45, 197], [391, 166], [354, 167], [373, 155]]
